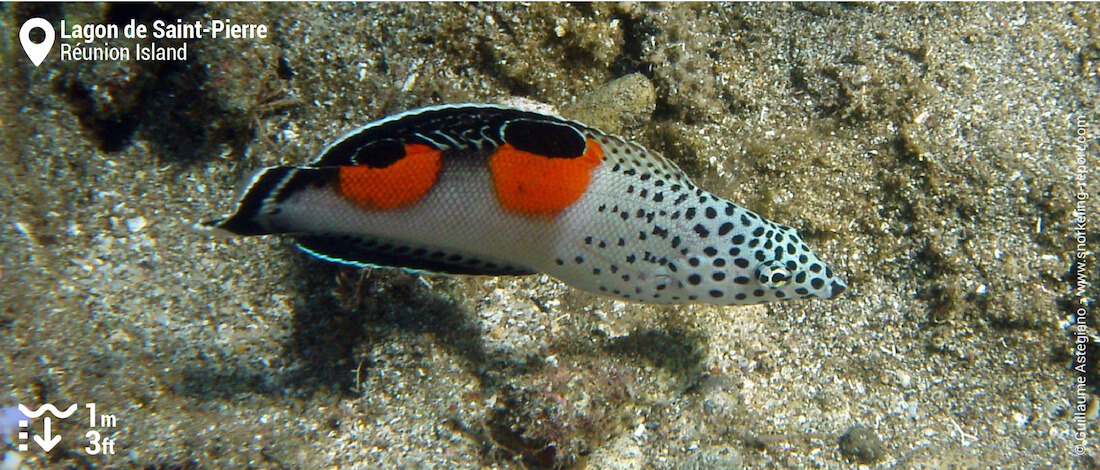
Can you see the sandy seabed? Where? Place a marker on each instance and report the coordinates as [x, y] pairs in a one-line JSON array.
[[930, 153]]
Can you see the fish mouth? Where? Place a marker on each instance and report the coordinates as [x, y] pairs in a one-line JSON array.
[[836, 288]]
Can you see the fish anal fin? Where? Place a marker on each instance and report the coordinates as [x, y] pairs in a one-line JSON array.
[[364, 251]]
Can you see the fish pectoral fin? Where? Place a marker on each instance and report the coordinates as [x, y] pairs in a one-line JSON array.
[[374, 252]]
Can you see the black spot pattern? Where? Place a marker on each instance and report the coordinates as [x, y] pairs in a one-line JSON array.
[[711, 249]]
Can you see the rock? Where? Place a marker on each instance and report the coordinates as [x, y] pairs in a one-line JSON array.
[[861, 445], [619, 104]]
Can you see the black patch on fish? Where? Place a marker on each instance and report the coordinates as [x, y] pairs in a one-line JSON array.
[[549, 139], [377, 154], [366, 251], [359, 150]]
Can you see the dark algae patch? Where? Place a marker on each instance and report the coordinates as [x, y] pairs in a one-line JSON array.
[[926, 151]]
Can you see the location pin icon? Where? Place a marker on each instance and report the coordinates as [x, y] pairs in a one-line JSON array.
[[37, 52]]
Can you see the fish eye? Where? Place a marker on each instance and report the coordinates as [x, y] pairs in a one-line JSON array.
[[773, 274]]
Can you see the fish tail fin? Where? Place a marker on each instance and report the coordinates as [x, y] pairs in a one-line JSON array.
[[260, 199]]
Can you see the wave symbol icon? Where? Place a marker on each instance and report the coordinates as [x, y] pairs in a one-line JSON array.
[[47, 407]]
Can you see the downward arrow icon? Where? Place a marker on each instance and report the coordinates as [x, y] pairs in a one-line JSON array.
[[45, 440]]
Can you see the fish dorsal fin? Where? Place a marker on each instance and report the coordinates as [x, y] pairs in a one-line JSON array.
[[376, 252], [477, 127], [445, 127]]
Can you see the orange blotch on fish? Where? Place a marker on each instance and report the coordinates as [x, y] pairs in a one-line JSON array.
[[534, 184], [402, 183]]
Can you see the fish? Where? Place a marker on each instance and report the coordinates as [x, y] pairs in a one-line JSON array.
[[482, 189]]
